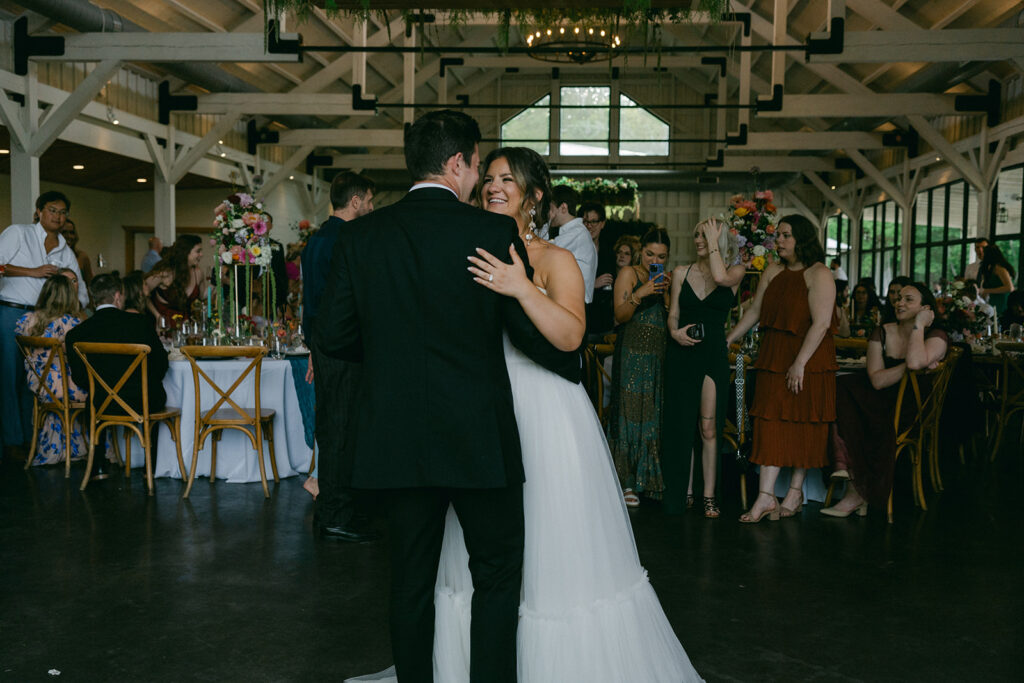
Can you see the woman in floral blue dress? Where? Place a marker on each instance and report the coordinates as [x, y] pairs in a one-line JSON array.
[[57, 311]]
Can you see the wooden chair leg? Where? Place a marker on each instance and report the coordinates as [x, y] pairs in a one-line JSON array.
[[828, 495], [743, 491], [918, 480], [213, 454], [174, 424], [268, 432], [88, 460], [259, 456], [35, 433], [147, 431], [128, 452], [196, 444], [888, 509]]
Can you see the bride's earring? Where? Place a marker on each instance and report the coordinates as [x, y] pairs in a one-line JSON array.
[[531, 227]]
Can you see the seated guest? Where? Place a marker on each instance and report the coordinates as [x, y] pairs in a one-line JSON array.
[[864, 441], [152, 256], [136, 295], [57, 311], [112, 324], [865, 311], [189, 283], [1014, 314], [892, 295]]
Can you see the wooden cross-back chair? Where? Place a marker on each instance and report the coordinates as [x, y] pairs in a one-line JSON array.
[[255, 421], [66, 410], [133, 421], [1011, 388], [930, 421]]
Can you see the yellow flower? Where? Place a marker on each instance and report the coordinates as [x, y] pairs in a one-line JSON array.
[[254, 250], [741, 211], [758, 262]]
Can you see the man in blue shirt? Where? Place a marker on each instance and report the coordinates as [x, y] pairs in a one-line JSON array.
[[351, 197]]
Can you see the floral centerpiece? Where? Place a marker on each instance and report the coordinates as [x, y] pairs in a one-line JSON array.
[[241, 231], [964, 317], [753, 223]]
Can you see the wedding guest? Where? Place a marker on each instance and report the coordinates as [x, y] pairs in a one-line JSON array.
[[111, 324], [892, 295], [838, 274], [697, 365], [335, 506], [57, 311], [996, 276], [864, 441], [794, 396], [634, 425], [971, 271], [600, 317], [189, 283], [627, 252], [152, 256], [865, 311], [70, 232], [1014, 314], [136, 299], [565, 229], [31, 253]]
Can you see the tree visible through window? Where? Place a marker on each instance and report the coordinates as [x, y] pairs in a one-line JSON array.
[[636, 123], [530, 128], [585, 131]]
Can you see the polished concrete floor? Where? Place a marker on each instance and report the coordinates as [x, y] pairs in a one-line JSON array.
[[112, 585]]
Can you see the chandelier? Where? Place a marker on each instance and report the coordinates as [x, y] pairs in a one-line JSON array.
[[578, 44]]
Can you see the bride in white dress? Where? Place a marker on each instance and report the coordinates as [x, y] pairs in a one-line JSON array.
[[588, 613]]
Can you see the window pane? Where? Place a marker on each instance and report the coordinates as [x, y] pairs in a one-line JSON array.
[[972, 213], [636, 123], [938, 216], [867, 228], [920, 270], [956, 211], [954, 255], [1011, 250], [921, 218], [831, 235], [889, 232], [530, 128], [935, 267], [885, 273], [867, 267], [585, 129], [1008, 202]]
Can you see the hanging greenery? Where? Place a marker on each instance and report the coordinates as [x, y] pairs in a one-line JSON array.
[[611, 193]]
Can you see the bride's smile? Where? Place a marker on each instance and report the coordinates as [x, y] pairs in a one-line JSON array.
[[500, 191]]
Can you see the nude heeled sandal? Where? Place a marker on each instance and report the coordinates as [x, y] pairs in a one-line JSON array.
[[772, 512]]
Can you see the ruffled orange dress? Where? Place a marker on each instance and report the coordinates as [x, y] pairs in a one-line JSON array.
[[791, 430]]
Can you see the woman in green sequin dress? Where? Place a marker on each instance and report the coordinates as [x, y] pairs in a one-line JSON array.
[[634, 425]]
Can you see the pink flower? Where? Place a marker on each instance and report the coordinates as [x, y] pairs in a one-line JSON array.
[[736, 199], [766, 195], [259, 227], [303, 224]]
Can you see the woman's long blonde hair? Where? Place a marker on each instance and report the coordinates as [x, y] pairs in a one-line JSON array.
[[58, 297]]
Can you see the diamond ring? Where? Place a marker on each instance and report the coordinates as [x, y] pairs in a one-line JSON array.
[[490, 278]]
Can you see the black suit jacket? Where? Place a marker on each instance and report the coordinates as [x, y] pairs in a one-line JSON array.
[[114, 326], [434, 404]]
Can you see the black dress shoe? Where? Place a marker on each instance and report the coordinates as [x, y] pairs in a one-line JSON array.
[[99, 470], [349, 534]]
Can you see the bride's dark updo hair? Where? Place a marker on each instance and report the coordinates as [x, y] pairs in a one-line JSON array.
[[531, 174]]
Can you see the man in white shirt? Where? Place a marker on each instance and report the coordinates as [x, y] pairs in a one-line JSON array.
[[971, 271], [566, 230], [152, 256], [30, 254]]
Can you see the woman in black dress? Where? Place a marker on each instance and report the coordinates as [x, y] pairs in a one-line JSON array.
[[697, 366]]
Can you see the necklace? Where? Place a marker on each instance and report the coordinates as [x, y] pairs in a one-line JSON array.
[[706, 276]]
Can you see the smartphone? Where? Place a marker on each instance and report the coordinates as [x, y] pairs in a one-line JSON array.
[[696, 332], [657, 271]]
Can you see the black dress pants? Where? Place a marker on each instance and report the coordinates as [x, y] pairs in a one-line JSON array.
[[336, 382], [492, 523]]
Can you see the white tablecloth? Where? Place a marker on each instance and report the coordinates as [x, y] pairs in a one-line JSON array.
[[236, 459]]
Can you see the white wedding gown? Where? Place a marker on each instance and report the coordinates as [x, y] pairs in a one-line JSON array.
[[588, 613]]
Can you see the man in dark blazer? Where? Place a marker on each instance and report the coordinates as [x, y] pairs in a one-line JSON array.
[[435, 422], [111, 324], [336, 380]]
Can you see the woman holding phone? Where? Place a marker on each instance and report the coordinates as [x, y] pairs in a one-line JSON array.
[[697, 365], [634, 424]]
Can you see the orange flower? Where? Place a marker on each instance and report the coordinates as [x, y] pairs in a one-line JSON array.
[[770, 207], [770, 229]]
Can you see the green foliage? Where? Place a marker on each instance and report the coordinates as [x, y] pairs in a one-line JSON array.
[[611, 193]]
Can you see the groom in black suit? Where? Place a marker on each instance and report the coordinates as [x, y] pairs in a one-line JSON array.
[[435, 422]]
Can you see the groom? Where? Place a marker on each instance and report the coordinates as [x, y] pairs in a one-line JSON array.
[[435, 423]]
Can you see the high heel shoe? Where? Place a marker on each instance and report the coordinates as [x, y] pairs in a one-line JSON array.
[[786, 512], [772, 512], [711, 510], [861, 510]]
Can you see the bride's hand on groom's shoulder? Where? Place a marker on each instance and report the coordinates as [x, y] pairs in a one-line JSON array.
[[495, 274]]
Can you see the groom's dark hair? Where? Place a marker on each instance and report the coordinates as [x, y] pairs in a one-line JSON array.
[[435, 138]]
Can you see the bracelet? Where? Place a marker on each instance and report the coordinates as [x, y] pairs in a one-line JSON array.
[[712, 251], [632, 300]]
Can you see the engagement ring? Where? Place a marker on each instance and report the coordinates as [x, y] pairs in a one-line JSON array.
[[490, 278]]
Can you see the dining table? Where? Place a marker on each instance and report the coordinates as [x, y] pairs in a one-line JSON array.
[[282, 388]]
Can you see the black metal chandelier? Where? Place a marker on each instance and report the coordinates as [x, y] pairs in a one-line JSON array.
[[572, 44]]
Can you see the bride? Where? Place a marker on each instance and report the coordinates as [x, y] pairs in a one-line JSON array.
[[588, 613]]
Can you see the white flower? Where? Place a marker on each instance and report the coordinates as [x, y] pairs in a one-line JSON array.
[[237, 223], [759, 250], [226, 258]]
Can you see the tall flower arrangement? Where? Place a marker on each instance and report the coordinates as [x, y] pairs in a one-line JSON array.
[[963, 316], [241, 231], [753, 223]]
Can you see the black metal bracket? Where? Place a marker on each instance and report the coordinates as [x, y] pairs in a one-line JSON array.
[[773, 103], [720, 62], [709, 97], [902, 138], [511, 69], [615, 73], [449, 61], [166, 102], [26, 46], [990, 103], [276, 46], [716, 162], [707, 180], [738, 139], [555, 73], [847, 164], [360, 104], [742, 17], [418, 18], [833, 45], [462, 99], [317, 160], [254, 137]]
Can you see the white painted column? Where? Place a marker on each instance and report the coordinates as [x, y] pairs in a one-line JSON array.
[[164, 220], [24, 184]]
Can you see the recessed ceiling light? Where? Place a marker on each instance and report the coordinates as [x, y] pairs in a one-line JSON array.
[[833, 187], [291, 177], [223, 154], [938, 158], [141, 180], [5, 151], [78, 167], [220, 142]]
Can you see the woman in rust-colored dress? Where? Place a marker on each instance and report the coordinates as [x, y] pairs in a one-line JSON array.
[[795, 393]]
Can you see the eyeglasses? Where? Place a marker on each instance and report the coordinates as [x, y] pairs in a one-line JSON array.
[[57, 212], [592, 223]]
